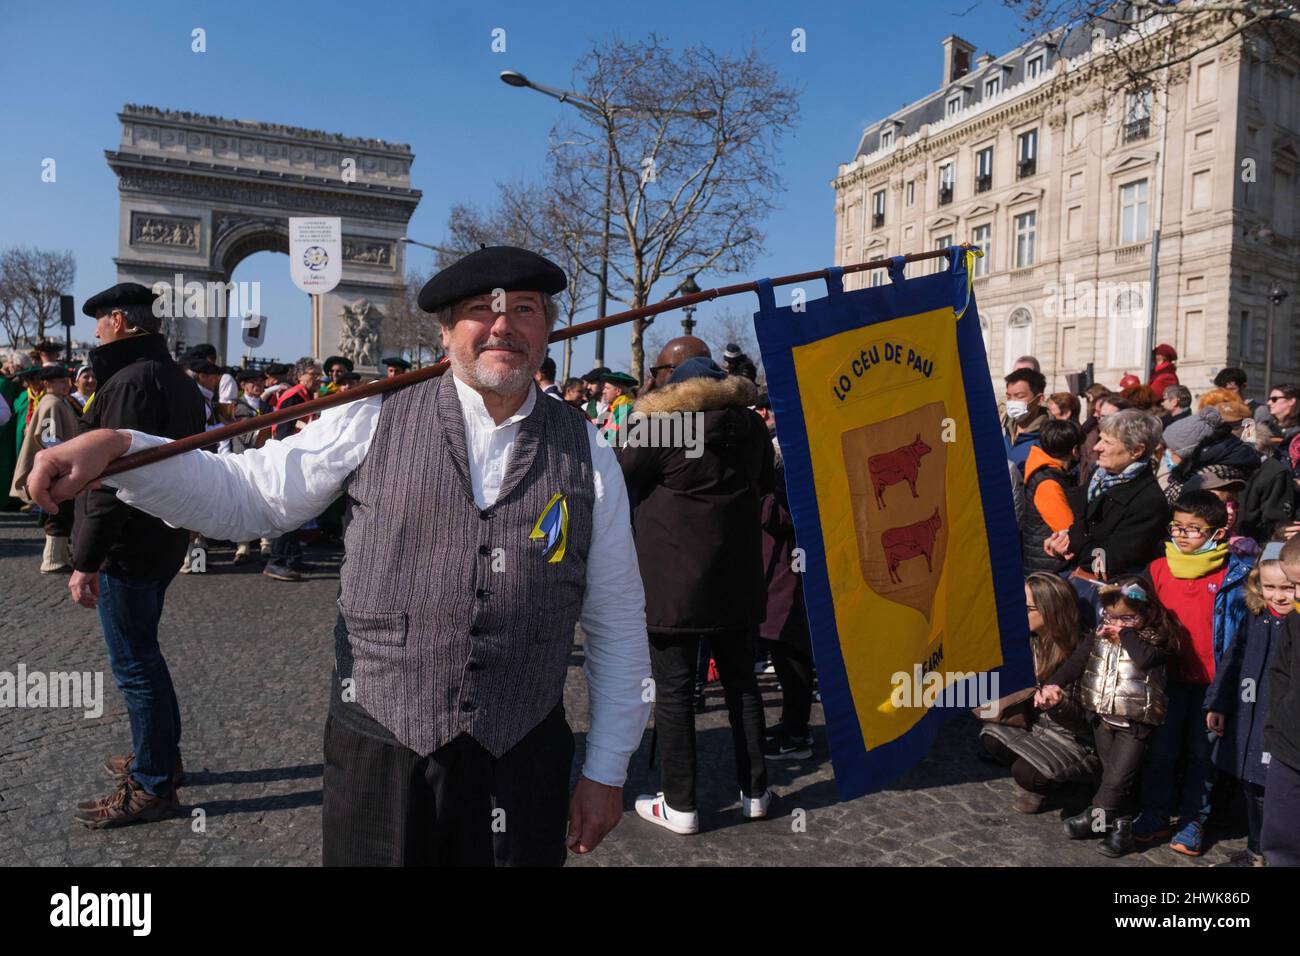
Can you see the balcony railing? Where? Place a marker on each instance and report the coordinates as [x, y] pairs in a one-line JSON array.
[[1026, 167], [984, 183], [877, 220], [1137, 129], [945, 194]]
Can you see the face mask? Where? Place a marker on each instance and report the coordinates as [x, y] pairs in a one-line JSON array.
[[1167, 462], [1017, 410], [1210, 544]]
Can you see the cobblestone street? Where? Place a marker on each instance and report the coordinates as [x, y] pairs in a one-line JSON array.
[[251, 660]]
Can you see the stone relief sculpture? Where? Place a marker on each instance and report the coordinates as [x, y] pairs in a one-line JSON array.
[[359, 336]]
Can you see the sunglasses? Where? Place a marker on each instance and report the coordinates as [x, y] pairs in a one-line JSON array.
[[1276, 398]]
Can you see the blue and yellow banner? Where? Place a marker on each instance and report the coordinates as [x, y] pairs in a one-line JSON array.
[[901, 496]]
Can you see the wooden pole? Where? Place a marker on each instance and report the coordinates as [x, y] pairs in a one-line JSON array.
[[406, 379]]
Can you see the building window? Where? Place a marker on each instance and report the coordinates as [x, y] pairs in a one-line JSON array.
[[1034, 65], [983, 238], [877, 278], [992, 87], [877, 209], [1137, 115], [1133, 212], [954, 105], [886, 138], [1020, 336], [1246, 344], [984, 169], [943, 242], [1026, 225], [909, 191], [1027, 154], [947, 176], [1127, 328]]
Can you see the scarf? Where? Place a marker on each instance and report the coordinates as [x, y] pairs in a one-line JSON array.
[[1103, 479], [1197, 565]]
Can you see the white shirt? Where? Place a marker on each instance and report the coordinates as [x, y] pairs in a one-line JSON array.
[[270, 490], [227, 389]]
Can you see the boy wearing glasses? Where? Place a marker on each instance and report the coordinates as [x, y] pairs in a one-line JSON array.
[[1202, 584]]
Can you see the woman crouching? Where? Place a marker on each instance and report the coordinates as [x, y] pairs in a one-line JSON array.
[[1054, 754]]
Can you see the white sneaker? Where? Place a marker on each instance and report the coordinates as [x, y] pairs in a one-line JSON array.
[[655, 809], [185, 565], [755, 808]]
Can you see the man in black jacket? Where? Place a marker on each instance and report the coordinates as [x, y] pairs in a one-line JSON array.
[[123, 559]]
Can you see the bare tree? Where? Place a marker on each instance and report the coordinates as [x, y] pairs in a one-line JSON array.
[[687, 143], [410, 330], [31, 281], [1148, 36], [529, 216]]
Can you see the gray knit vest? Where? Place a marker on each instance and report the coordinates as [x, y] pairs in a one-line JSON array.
[[454, 620]]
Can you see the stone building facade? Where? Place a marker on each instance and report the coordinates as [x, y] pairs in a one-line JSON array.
[[1063, 178]]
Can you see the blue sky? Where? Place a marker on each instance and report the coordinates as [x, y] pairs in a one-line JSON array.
[[424, 74]]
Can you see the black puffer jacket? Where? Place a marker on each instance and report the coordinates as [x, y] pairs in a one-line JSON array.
[[142, 388], [696, 519]]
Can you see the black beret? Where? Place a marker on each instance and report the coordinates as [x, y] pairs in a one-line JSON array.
[[50, 372], [205, 367], [492, 267], [249, 375], [396, 362], [122, 294], [337, 360], [276, 368], [596, 375]]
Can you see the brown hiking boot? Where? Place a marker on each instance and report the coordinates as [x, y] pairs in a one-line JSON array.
[[121, 765], [127, 804]]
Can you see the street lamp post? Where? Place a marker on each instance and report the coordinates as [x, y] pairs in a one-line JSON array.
[[605, 115], [688, 287]]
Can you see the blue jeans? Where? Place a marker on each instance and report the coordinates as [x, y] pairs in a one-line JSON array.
[[129, 612], [1182, 735]]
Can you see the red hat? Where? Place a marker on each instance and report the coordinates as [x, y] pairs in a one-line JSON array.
[[1167, 351], [1129, 379]]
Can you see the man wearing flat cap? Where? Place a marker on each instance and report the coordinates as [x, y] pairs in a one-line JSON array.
[[123, 558], [484, 522], [616, 393]]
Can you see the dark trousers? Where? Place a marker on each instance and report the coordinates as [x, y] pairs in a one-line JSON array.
[[1121, 751], [672, 663], [58, 524], [1022, 771], [1280, 839], [385, 805], [794, 669], [1182, 739], [129, 612], [286, 550], [1254, 795]]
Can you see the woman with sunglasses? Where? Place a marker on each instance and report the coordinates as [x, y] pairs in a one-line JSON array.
[[1284, 411]]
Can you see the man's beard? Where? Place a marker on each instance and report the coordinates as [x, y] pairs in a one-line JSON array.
[[499, 381]]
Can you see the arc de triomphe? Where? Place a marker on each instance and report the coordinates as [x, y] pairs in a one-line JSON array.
[[200, 193]]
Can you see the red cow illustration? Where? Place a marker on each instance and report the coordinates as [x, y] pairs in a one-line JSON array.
[[909, 541], [891, 467]]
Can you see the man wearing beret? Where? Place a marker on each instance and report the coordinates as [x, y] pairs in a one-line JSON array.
[[123, 558], [616, 393], [395, 366], [484, 522], [56, 419]]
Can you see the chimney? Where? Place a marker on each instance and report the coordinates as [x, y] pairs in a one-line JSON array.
[[985, 60], [956, 58]]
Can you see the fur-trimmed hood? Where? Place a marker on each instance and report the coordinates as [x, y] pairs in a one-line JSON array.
[[699, 395]]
